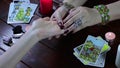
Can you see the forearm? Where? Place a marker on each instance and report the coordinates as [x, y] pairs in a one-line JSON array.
[[75, 3], [114, 13], [114, 10], [13, 55]]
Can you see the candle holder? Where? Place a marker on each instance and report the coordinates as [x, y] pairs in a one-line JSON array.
[[110, 36]]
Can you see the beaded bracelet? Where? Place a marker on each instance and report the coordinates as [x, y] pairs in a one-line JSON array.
[[68, 6], [103, 10]]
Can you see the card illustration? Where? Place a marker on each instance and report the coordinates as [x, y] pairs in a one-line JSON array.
[[21, 12], [91, 49]]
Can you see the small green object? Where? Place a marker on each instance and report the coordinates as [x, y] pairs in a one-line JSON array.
[[103, 10], [105, 48]]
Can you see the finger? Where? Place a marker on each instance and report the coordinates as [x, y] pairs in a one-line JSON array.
[[71, 15], [68, 30], [76, 24], [46, 18], [69, 22], [58, 36], [53, 16], [49, 38], [72, 10], [73, 19], [57, 17], [80, 27], [54, 19]]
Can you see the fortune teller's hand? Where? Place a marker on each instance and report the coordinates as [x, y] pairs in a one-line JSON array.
[[59, 14], [44, 28], [80, 18]]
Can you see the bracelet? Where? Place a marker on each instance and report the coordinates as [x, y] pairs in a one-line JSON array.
[[103, 10], [68, 6]]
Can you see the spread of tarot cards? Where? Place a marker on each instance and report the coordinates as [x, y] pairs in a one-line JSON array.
[[21, 11], [92, 52]]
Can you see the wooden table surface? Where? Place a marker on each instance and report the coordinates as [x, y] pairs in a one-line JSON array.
[[58, 53]]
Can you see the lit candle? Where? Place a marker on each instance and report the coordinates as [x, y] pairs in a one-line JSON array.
[[110, 36], [46, 7]]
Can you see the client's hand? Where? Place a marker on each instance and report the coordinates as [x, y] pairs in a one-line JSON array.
[[80, 18], [43, 28], [59, 14]]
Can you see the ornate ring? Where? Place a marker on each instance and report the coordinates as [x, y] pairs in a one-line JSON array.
[[77, 23]]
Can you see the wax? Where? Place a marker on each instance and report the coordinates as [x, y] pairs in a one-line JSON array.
[[46, 7], [110, 36]]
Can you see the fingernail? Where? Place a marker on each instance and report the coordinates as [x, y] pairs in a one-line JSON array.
[[67, 31], [61, 25], [65, 34]]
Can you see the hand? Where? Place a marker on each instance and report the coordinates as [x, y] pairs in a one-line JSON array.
[[80, 18], [59, 14], [44, 28]]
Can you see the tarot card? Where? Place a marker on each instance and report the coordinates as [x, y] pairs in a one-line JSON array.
[[78, 48], [101, 61], [91, 49], [21, 12], [14, 7], [106, 46], [77, 56], [26, 1], [76, 53], [12, 12], [25, 13]]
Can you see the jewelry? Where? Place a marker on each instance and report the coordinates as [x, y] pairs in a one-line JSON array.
[[103, 10], [77, 23]]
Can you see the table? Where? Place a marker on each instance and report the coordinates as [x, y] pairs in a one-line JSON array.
[[58, 53]]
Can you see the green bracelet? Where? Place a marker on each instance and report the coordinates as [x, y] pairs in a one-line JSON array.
[[103, 10]]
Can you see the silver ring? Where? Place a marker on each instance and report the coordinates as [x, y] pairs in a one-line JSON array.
[[77, 23]]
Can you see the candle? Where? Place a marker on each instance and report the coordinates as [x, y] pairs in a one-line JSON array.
[[117, 62], [110, 36], [46, 7]]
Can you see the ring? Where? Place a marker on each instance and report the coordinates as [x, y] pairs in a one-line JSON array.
[[77, 22]]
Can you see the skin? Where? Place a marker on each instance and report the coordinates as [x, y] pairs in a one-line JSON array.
[[44, 28], [90, 16], [60, 13], [40, 29]]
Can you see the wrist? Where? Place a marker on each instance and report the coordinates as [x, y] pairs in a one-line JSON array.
[[64, 8], [31, 34], [104, 13], [97, 16], [75, 3], [114, 10], [67, 6]]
